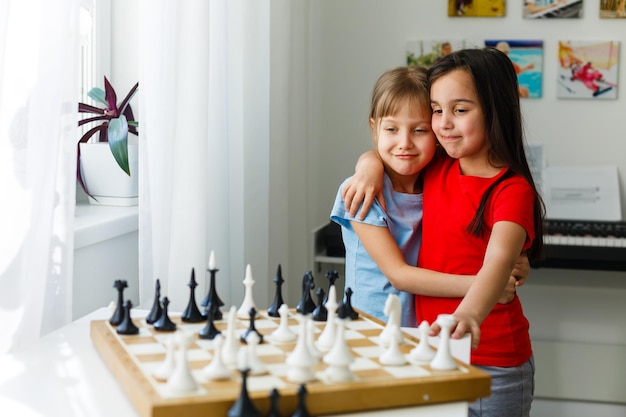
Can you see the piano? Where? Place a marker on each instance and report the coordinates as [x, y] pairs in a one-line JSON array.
[[580, 244]]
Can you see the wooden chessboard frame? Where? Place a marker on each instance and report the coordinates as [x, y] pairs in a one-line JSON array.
[[322, 399]]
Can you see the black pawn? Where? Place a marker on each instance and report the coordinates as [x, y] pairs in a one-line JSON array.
[[306, 304], [118, 314], [347, 305], [278, 298], [127, 326], [320, 313], [244, 407], [164, 324], [156, 310], [274, 397], [331, 276], [209, 331], [251, 328], [191, 313], [302, 410], [212, 300]]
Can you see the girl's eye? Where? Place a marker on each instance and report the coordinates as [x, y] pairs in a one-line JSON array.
[[436, 111], [460, 110]]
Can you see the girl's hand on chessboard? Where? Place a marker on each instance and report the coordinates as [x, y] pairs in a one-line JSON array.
[[464, 324]]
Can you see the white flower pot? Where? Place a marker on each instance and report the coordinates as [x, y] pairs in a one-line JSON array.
[[104, 179]]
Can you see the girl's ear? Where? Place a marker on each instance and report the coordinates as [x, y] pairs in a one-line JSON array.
[[372, 123]]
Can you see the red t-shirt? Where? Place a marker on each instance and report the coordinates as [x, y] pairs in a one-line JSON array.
[[450, 202]]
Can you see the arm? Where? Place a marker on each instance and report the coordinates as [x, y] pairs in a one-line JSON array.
[[505, 244], [385, 252], [365, 185]]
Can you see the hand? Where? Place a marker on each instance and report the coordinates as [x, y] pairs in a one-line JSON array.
[[521, 270], [464, 324], [509, 292], [362, 188]]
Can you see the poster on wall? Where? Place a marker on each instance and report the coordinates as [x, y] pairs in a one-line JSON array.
[[587, 69], [547, 9], [612, 9], [527, 59], [476, 8], [427, 52]]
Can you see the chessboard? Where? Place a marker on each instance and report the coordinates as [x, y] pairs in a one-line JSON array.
[[133, 358]]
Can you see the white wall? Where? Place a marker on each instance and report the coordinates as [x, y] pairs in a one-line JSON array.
[[576, 316]]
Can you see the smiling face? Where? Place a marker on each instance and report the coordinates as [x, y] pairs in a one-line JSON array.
[[405, 143], [458, 119]]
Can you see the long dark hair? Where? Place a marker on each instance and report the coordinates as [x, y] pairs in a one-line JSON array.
[[495, 82]]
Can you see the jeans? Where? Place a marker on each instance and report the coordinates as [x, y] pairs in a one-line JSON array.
[[512, 390]]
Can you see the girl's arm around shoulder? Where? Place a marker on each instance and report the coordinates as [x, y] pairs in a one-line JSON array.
[[365, 185]]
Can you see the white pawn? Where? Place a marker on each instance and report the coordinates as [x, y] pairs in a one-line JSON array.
[[164, 370], [392, 355], [443, 360], [423, 352], [231, 342], [182, 380], [327, 338], [300, 360], [217, 369], [283, 333], [248, 301], [339, 358], [257, 367]]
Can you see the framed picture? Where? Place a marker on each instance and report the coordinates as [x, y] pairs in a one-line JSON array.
[[547, 9], [612, 9], [527, 59], [476, 8], [426, 52], [588, 70]]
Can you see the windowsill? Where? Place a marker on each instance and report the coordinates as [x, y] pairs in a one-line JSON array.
[[94, 223]]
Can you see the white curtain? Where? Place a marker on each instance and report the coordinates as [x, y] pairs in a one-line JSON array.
[[206, 114], [38, 115]]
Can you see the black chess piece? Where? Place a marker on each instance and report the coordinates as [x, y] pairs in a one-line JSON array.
[[118, 314], [347, 305], [127, 326], [164, 323], [209, 331], [191, 313], [251, 328], [320, 313], [212, 300], [331, 276], [274, 397], [306, 304], [244, 406], [278, 297], [302, 410], [156, 310]]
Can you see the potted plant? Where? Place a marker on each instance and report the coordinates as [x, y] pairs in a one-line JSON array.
[[114, 122]]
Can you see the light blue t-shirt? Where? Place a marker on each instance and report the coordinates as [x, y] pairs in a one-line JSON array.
[[403, 219]]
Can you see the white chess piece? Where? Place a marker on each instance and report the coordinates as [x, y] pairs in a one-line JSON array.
[[231, 341], [339, 358], [393, 310], [257, 367], [217, 369], [443, 360], [392, 355], [283, 333], [181, 379], [300, 360], [164, 370], [327, 338], [310, 339], [248, 301], [423, 352]]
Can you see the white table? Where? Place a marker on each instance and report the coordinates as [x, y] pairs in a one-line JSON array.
[[64, 376]]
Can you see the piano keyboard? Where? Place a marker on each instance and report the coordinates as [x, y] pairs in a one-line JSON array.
[[577, 244]]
